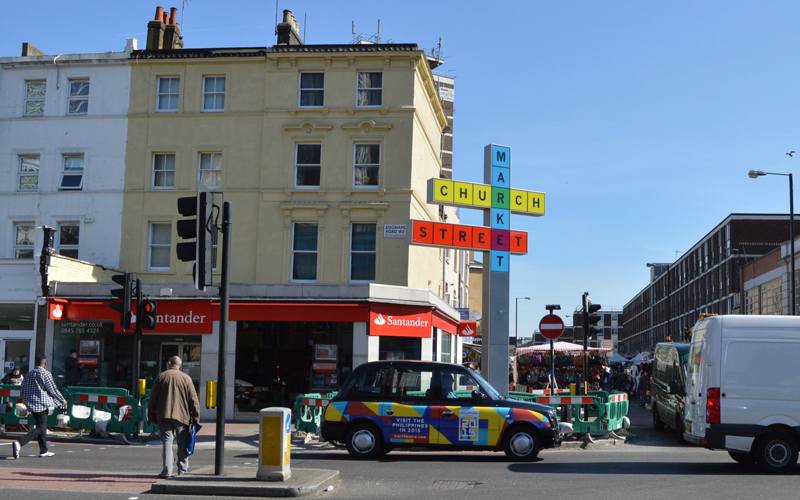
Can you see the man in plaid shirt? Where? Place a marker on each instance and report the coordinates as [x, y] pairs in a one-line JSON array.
[[39, 394]]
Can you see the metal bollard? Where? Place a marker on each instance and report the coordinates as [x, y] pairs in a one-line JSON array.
[[275, 436]]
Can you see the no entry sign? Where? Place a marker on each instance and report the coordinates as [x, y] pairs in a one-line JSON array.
[[551, 326]]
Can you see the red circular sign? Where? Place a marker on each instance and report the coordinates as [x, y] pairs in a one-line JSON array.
[[551, 326]]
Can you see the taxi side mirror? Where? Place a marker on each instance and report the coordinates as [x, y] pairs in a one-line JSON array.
[[478, 396]]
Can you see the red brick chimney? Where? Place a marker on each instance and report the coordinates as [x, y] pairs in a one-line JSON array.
[[163, 32]]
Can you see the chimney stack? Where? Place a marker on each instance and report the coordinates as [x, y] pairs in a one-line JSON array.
[[289, 30], [163, 33]]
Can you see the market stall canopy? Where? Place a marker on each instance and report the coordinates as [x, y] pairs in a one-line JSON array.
[[618, 358], [558, 347], [642, 357]]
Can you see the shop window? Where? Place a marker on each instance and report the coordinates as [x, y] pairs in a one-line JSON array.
[[164, 171], [370, 88], [410, 383], [304, 252], [394, 348], [312, 89], [105, 357], [308, 165], [752, 303], [23, 240], [362, 252], [210, 170], [17, 316], [771, 294], [78, 97], [68, 239], [160, 247], [447, 347], [28, 173]]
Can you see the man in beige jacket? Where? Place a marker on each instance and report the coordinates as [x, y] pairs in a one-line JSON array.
[[173, 406]]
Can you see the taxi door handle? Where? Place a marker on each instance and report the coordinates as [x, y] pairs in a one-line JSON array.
[[390, 412], [447, 413]]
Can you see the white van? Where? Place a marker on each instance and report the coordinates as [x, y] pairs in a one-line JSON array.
[[743, 389]]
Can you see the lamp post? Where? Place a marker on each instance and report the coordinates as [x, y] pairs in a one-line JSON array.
[[516, 320], [754, 174]]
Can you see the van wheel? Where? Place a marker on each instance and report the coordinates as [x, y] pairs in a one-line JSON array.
[[679, 430], [742, 458], [364, 441], [658, 425], [521, 443], [776, 452]]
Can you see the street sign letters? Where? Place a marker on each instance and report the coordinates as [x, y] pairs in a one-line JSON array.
[[481, 196], [442, 234]]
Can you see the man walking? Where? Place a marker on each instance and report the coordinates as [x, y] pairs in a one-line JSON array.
[[71, 369], [173, 406], [625, 384], [39, 394]]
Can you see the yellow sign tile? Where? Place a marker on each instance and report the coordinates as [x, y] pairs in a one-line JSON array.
[[535, 202], [462, 192], [443, 190], [519, 201], [481, 195]]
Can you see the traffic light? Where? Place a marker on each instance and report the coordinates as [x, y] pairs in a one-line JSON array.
[[201, 230], [591, 318], [148, 319], [125, 294]]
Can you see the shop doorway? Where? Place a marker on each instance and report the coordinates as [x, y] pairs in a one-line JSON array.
[[190, 355], [157, 349], [16, 354]]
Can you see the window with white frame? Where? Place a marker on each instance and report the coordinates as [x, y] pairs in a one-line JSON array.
[[312, 89], [771, 295], [214, 94], [308, 163], [28, 173], [168, 93], [72, 173], [34, 97], [78, 97], [370, 88], [752, 303], [304, 252], [362, 252], [210, 170], [23, 240], [366, 165], [68, 239], [163, 170], [160, 246]]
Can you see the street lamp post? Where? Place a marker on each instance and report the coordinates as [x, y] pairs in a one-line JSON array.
[[516, 319], [754, 174]]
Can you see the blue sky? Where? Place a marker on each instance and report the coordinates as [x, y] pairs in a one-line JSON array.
[[639, 120]]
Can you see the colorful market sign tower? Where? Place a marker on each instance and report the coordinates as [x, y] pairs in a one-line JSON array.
[[496, 239]]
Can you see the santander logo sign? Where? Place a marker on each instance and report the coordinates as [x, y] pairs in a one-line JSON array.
[[58, 311], [400, 321]]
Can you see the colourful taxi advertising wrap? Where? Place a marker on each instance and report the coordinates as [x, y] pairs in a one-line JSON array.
[[443, 425]]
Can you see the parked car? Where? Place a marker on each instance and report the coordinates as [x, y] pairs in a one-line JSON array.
[[391, 404], [668, 389], [743, 388]]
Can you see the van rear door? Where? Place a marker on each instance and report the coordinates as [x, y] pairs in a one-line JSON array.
[[697, 380]]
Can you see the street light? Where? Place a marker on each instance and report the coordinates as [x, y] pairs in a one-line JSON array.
[[754, 174], [516, 321]]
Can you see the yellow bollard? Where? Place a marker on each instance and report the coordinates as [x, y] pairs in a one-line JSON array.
[[274, 442], [142, 386], [211, 394]]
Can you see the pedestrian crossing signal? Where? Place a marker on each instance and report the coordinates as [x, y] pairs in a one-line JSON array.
[[149, 319]]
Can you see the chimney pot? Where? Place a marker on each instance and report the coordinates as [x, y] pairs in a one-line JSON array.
[[173, 15], [165, 19], [159, 13], [287, 16]]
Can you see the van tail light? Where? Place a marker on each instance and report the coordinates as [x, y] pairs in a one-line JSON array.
[[712, 406]]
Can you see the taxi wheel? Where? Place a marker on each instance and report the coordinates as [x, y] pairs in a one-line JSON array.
[[521, 443], [364, 442]]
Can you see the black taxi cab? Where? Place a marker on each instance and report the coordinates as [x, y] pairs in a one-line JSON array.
[[392, 404]]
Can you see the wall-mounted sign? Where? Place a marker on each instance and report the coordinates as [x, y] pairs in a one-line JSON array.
[[481, 196], [394, 230], [441, 234], [468, 328], [400, 321], [56, 310]]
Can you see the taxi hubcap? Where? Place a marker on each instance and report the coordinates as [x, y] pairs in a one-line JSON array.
[[521, 444], [363, 441]]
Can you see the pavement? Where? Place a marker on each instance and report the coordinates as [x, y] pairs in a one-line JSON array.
[[650, 465]]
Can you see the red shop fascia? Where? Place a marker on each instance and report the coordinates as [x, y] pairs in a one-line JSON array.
[[193, 316]]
